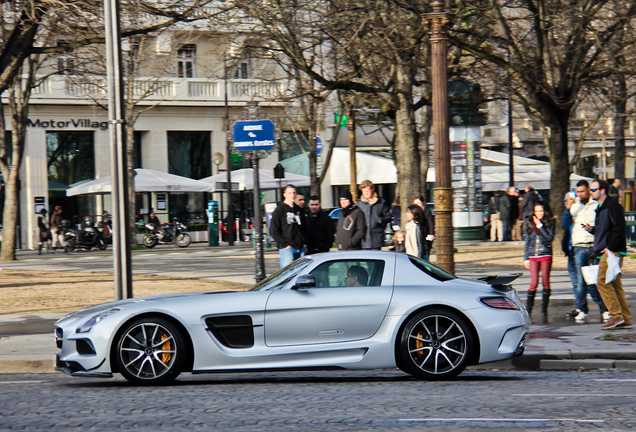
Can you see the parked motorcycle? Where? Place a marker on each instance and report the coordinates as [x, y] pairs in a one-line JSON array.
[[88, 237], [167, 234]]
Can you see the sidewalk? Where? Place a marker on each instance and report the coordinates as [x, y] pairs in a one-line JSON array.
[[27, 344]]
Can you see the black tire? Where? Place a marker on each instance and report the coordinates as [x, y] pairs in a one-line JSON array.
[[69, 244], [183, 240], [150, 351], [150, 241], [101, 245], [435, 344]]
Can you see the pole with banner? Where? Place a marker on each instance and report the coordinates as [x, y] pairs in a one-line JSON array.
[[255, 139]]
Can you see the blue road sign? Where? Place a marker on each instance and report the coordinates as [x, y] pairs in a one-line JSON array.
[[253, 135], [318, 144]]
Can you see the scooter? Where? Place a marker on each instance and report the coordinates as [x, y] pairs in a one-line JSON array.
[[88, 237], [167, 234]]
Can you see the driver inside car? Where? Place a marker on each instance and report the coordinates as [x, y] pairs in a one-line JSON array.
[[356, 276]]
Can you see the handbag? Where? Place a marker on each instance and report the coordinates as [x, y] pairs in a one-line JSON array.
[[590, 274], [613, 267]]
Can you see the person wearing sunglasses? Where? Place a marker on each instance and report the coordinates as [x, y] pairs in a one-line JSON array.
[[609, 238]]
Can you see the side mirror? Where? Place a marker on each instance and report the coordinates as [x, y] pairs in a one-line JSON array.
[[305, 281]]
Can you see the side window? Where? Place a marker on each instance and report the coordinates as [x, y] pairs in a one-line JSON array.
[[342, 273]]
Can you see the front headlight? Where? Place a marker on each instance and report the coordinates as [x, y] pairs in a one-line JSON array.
[[88, 325]]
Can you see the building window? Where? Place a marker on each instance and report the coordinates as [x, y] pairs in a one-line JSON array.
[[70, 157], [136, 151], [189, 154], [65, 63], [185, 61], [242, 70]]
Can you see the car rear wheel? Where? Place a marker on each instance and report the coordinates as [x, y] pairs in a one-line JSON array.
[[435, 344], [150, 351]]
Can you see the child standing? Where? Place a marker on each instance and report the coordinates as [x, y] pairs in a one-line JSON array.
[[398, 242]]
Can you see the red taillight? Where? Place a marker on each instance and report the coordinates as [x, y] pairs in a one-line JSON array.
[[499, 303]]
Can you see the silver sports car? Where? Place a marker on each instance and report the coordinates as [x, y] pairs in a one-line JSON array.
[[351, 310]]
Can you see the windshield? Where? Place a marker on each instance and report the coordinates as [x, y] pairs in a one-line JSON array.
[[282, 276], [431, 270]]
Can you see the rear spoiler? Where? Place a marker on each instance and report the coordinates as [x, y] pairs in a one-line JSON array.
[[501, 281]]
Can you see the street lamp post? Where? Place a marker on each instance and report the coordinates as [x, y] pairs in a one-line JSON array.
[[439, 21], [228, 163]]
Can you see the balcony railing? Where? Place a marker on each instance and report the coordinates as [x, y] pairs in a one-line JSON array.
[[171, 91]]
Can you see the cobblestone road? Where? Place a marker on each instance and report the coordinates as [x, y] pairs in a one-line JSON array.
[[324, 401]]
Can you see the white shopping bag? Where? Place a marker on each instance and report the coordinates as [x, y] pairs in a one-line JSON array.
[[590, 274], [613, 267]]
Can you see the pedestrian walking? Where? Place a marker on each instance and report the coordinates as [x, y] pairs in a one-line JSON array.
[[376, 213], [352, 226], [57, 230], [416, 232], [508, 213], [609, 239], [583, 211], [44, 233], [496, 226], [538, 254], [429, 221], [287, 227], [530, 199], [320, 231]]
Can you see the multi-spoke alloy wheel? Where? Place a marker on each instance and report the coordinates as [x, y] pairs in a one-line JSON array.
[[150, 241], [150, 351], [435, 344]]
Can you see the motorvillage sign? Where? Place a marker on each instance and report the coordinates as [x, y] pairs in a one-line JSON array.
[[64, 124]]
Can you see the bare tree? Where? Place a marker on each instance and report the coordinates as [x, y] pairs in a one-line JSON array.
[[26, 30], [375, 47], [544, 54]]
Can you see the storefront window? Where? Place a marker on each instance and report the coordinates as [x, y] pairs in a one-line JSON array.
[[70, 157], [189, 154]]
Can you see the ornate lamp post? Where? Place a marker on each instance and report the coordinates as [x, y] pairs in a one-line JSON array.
[[439, 21]]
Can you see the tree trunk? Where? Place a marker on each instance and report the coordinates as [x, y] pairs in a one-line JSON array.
[[559, 168], [407, 159], [9, 216], [620, 122], [314, 188]]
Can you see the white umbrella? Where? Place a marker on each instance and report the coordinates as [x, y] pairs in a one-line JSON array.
[[145, 181], [243, 179]]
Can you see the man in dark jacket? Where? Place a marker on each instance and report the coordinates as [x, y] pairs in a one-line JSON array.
[[351, 224], [319, 228], [288, 228], [530, 199], [376, 213], [609, 238], [506, 213]]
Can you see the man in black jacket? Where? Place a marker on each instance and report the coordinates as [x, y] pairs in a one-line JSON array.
[[609, 238], [319, 228], [288, 228], [377, 215], [351, 224]]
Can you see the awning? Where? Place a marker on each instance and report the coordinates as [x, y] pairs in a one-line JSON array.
[[243, 179], [145, 181]]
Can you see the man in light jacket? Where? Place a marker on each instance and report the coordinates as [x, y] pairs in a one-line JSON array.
[[583, 211]]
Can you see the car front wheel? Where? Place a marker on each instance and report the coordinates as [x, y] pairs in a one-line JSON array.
[[150, 351], [435, 344]]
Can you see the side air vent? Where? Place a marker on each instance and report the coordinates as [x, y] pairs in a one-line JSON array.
[[232, 331]]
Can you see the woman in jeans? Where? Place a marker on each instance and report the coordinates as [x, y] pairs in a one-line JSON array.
[[539, 234]]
